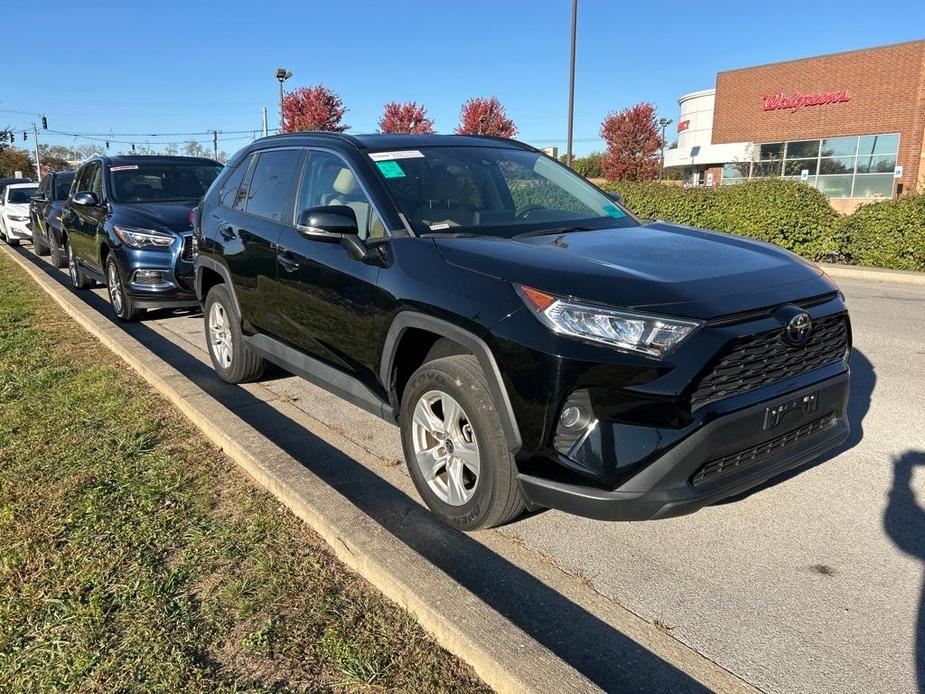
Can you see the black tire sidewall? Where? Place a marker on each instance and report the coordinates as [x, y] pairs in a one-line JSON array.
[[495, 457], [129, 313]]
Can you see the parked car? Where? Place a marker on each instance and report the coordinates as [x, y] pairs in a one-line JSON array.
[[537, 344], [4, 182], [127, 223], [14, 212], [45, 212]]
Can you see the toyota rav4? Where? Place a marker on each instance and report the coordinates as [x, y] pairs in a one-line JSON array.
[[537, 344]]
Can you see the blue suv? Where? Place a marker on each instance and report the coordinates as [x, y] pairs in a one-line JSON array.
[[127, 224]]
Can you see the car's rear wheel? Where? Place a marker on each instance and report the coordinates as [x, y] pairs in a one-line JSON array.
[[232, 359], [38, 246], [455, 446], [78, 280], [58, 258], [122, 304]]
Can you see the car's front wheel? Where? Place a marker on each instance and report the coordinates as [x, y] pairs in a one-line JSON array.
[[38, 246], [232, 359], [58, 257], [455, 446], [122, 304]]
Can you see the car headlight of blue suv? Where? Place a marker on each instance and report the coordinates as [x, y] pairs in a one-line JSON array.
[[144, 238]]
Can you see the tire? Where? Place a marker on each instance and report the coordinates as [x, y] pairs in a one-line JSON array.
[[232, 359], [38, 247], [78, 280], [446, 480], [58, 258], [12, 242], [122, 304]]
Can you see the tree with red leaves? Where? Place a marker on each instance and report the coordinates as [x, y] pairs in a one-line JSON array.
[[405, 119], [485, 116], [313, 108], [633, 144]]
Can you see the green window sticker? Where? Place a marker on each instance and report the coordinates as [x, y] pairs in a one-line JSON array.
[[614, 211], [390, 169]]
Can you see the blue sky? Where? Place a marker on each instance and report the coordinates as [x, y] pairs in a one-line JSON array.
[[189, 66]]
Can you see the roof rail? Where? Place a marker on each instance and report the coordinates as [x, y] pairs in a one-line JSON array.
[[321, 133], [522, 145]]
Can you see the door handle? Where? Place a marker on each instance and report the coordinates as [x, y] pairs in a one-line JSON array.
[[227, 233], [288, 261]]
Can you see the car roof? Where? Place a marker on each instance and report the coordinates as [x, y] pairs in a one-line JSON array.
[[385, 141], [147, 158], [23, 185]]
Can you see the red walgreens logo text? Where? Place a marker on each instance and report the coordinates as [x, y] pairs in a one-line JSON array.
[[683, 125], [776, 102]]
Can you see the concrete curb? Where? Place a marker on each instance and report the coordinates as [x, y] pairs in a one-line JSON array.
[[503, 656], [873, 274]]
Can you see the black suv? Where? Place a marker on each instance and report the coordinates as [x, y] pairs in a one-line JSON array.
[[128, 223], [45, 211], [537, 344]]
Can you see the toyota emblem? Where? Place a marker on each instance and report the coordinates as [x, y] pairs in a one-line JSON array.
[[798, 329]]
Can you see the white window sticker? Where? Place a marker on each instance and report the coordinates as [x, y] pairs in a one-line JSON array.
[[126, 167], [438, 227], [400, 154]]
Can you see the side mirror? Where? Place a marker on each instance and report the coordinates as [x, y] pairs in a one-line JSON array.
[[85, 198], [616, 197], [38, 198], [328, 222]]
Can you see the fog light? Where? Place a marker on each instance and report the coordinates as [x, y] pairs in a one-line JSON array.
[[149, 276], [575, 420]]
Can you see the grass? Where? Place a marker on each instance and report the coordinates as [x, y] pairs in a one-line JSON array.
[[134, 557]]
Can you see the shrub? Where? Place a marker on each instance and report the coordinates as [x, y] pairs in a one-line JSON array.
[[589, 166], [789, 214], [889, 234]]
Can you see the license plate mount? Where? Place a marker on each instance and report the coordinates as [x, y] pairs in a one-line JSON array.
[[775, 414]]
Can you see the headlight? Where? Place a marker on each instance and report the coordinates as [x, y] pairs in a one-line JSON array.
[[626, 330], [144, 238], [18, 218]]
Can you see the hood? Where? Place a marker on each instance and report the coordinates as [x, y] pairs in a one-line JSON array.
[[660, 267], [163, 216], [21, 209]]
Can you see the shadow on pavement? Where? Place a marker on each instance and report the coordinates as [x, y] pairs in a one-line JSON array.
[[606, 656], [863, 380], [904, 522]]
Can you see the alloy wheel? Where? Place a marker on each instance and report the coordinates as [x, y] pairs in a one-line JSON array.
[[445, 447], [115, 289], [72, 265], [220, 335]]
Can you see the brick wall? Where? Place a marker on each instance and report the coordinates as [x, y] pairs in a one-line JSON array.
[[886, 93]]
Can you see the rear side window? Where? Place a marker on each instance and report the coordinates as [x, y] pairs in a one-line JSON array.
[[233, 182], [272, 186]]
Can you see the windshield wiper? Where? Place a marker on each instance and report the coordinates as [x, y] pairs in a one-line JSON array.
[[553, 230]]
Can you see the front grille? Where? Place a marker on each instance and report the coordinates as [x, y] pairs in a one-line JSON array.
[[756, 361], [187, 252], [749, 457]]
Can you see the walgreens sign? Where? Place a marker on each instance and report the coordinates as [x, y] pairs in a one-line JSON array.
[[779, 102]]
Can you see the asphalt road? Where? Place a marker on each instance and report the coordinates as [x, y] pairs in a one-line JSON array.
[[811, 584]]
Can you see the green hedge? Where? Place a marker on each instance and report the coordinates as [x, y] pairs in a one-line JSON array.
[[789, 214], [888, 234]]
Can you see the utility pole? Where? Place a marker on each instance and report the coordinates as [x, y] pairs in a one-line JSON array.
[[38, 162], [571, 85], [282, 74], [265, 129], [215, 144]]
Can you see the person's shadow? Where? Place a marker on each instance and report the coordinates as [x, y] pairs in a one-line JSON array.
[[904, 522]]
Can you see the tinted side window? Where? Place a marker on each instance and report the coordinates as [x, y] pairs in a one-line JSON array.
[[62, 186], [329, 181], [83, 179], [272, 187], [96, 181], [232, 183]]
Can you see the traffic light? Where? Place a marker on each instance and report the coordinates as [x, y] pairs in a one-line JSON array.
[[44, 123], [12, 138], [25, 136]]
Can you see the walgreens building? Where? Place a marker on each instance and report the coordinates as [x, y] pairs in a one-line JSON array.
[[850, 124]]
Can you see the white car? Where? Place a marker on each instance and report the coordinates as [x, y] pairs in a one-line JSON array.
[[14, 212]]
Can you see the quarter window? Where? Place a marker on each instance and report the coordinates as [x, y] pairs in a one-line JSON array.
[[272, 185]]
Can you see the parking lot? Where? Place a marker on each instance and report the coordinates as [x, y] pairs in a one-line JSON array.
[[813, 583]]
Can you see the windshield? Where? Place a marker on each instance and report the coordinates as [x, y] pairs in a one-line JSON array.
[[63, 185], [160, 181], [19, 196], [492, 191]]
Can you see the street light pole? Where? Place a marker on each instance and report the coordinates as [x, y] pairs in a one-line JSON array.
[[571, 85], [282, 74], [664, 122]]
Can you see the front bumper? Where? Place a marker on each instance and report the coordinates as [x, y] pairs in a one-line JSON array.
[[174, 289], [18, 231], [738, 444]]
